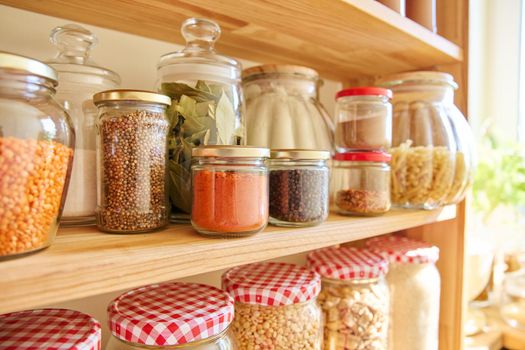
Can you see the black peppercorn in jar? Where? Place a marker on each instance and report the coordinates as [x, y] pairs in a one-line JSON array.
[[131, 160], [299, 189]]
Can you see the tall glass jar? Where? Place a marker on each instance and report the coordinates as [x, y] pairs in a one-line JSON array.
[[172, 316], [206, 109], [415, 286], [354, 297], [429, 141], [36, 150], [132, 135], [275, 306], [283, 110], [79, 78]]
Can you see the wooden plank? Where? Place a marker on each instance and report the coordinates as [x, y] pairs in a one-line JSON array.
[[84, 262], [340, 38]]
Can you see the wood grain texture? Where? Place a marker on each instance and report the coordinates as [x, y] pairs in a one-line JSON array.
[[342, 39], [84, 262]]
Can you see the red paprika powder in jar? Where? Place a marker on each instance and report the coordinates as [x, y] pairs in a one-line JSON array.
[[230, 190]]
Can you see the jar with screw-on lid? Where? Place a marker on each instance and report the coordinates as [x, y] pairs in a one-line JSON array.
[[275, 306], [361, 183], [230, 190], [354, 297], [49, 329], [299, 187], [363, 119], [414, 283], [36, 150], [173, 315], [132, 135]]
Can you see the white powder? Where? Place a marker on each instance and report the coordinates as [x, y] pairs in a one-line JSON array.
[[82, 193]]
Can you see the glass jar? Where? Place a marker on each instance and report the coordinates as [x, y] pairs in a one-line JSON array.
[[283, 110], [430, 140], [512, 308], [354, 298], [299, 191], [364, 119], [275, 306], [132, 135], [414, 283], [36, 150], [79, 78], [207, 104], [361, 183], [230, 190], [172, 315]]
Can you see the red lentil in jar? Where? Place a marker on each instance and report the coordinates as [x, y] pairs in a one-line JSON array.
[[230, 190]]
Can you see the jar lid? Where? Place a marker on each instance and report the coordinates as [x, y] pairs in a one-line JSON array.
[[364, 91], [170, 314], [405, 250], [364, 156], [29, 65], [288, 69], [347, 263], [58, 329], [299, 154], [419, 77], [230, 152], [131, 95], [271, 284]]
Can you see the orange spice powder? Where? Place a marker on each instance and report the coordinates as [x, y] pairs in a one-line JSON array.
[[229, 201]]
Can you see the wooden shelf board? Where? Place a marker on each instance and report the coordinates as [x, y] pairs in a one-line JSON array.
[[342, 39], [84, 262]]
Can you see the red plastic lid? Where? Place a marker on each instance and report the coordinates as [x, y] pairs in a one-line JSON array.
[[364, 91], [404, 250], [364, 156]]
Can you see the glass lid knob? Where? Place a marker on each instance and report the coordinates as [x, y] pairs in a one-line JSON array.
[[73, 42], [200, 34]]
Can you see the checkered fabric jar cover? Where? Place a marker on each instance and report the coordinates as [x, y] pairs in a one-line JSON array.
[[170, 314], [347, 263], [404, 250], [271, 284], [49, 329]]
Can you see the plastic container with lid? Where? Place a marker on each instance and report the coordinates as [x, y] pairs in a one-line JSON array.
[[36, 149], [415, 286], [173, 315], [283, 109], [207, 104], [132, 157], [299, 187], [361, 183], [363, 119], [230, 190], [49, 329], [354, 297], [79, 78], [275, 306]]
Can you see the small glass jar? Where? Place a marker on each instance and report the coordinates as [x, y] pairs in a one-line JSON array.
[[361, 183], [512, 307], [364, 119], [172, 316], [36, 150], [275, 306], [230, 190], [299, 187], [415, 286], [132, 135], [354, 298]]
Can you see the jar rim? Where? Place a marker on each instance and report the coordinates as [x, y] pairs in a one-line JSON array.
[[231, 151], [299, 154], [379, 157], [279, 70], [365, 91], [419, 77], [130, 95], [28, 65]]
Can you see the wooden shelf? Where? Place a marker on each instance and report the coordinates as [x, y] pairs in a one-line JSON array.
[[342, 39], [84, 262]]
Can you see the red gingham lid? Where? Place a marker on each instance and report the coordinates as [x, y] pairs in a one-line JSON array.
[[364, 91], [271, 284], [49, 329], [170, 313], [404, 250], [347, 263], [364, 156]]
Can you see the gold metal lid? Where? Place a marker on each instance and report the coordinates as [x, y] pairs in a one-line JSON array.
[[29, 65], [280, 69], [231, 152], [299, 154], [131, 95], [419, 76]]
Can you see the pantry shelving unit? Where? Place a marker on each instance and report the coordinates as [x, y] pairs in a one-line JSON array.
[[345, 40]]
